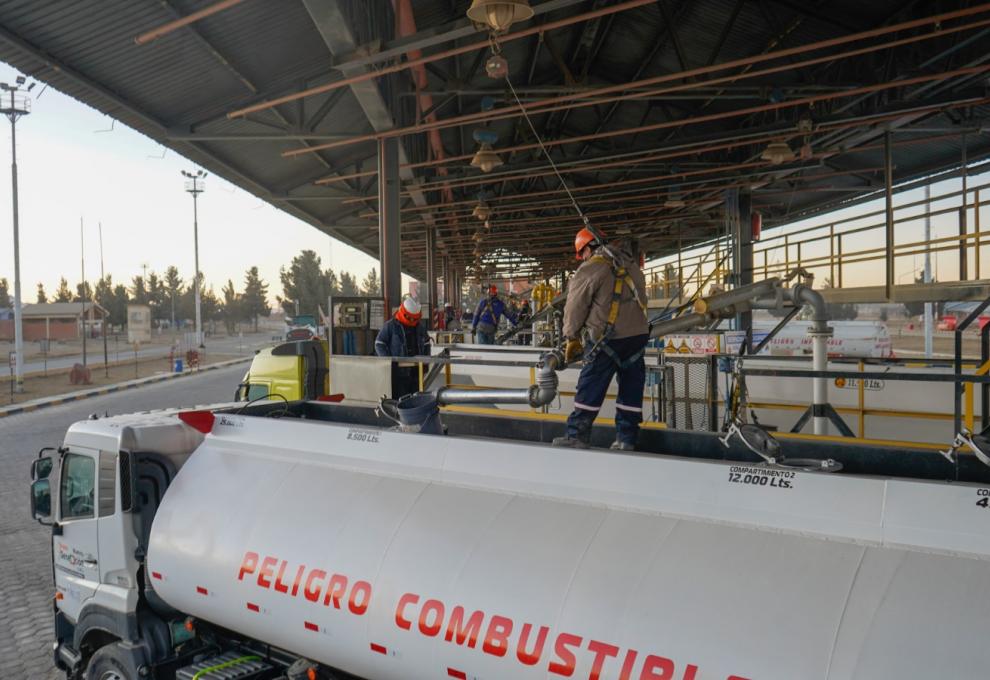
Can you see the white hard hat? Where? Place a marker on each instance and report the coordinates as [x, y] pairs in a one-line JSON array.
[[412, 306]]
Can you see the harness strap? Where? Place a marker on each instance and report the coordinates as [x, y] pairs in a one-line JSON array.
[[622, 279], [610, 353]]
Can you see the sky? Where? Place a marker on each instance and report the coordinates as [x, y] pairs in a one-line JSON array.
[[74, 162]]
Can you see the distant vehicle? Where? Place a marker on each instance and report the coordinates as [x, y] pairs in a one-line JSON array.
[[301, 327], [300, 333], [947, 323], [293, 370]]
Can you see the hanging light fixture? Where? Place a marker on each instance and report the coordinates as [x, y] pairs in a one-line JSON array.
[[496, 67], [486, 159], [482, 211], [499, 15], [777, 153]]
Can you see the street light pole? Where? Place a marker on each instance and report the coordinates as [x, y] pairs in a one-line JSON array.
[[18, 105], [194, 186]]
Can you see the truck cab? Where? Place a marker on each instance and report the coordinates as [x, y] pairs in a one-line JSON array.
[[291, 370], [99, 492]]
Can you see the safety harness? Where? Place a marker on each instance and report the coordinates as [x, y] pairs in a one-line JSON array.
[[622, 279], [491, 312]]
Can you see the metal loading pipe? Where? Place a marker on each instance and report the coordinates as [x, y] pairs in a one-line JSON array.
[[540, 394], [820, 332]]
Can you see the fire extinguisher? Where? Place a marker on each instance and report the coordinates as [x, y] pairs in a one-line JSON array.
[[756, 220]]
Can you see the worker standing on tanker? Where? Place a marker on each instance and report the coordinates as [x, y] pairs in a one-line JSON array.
[[404, 336], [486, 317], [605, 324]]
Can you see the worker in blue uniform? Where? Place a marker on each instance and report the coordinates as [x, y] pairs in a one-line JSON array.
[[404, 335], [486, 317]]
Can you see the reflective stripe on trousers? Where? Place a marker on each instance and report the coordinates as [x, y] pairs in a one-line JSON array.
[[596, 375]]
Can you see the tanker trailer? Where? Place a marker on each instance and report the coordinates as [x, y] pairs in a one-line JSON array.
[[310, 540]]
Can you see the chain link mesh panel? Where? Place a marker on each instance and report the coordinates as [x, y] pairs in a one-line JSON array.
[[687, 395]]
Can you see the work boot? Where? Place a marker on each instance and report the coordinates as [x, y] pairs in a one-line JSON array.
[[570, 442], [622, 446]]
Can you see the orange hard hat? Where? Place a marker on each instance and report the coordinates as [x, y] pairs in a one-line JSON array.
[[493, 290], [409, 312], [583, 238]]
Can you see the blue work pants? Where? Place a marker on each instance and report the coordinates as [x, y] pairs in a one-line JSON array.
[[596, 375], [486, 338]]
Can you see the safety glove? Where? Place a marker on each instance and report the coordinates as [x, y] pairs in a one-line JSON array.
[[573, 350]]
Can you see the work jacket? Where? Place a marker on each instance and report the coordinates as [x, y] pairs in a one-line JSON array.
[[391, 340], [490, 309], [589, 295]]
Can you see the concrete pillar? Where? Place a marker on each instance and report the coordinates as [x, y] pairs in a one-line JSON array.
[[389, 224]]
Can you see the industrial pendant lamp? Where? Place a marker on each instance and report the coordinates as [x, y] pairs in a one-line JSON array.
[[777, 153], [482, 211], [486, 159], [499, 15]]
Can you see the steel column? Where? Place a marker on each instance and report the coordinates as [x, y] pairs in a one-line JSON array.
[[389, 223], [743, 265], [431, 272], [889, 233]]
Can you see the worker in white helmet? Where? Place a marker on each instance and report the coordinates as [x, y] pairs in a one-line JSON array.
[[404, 335]]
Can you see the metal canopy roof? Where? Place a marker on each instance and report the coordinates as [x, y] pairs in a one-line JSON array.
[[654, 158]]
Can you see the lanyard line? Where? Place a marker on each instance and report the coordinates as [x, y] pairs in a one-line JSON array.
[[547, 153]]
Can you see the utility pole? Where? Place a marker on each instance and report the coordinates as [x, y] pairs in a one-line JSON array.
[[103, 324], [194, 186], [82, 289], [16, 106]]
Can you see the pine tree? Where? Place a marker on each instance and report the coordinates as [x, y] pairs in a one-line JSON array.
[[348, 284], [232, 307], [304, 282], [371, 284], [42, 296], [139, 291], [63, 294], [173, 291], [254, 301], [118, 312], [84, 292], [158, 298]]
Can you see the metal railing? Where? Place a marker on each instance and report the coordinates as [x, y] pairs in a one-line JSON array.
[[831, 247]]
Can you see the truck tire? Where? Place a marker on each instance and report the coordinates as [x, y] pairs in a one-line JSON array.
[[111, 662]]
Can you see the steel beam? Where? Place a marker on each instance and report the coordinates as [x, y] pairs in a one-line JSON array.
[[336, 33]]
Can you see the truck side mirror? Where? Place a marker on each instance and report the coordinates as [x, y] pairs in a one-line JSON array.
[[41, 468], [41, 500]]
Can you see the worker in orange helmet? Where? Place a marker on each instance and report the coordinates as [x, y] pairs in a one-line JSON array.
[[605, 325], [404, 335], [486, 317]]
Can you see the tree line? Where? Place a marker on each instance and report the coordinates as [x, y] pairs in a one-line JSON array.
[[172, 299], [305, 282]]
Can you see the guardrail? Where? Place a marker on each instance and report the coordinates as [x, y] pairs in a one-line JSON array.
[[831, 247]]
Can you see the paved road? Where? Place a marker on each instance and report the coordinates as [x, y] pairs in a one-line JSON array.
[[25, 546], [123, 352]]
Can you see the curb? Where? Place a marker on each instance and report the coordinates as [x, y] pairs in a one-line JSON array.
[[30, 406]]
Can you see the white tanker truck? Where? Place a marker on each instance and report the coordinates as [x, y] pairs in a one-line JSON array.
[[317, 540]]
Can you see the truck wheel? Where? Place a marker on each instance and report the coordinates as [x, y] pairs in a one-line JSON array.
[[111, 662]]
